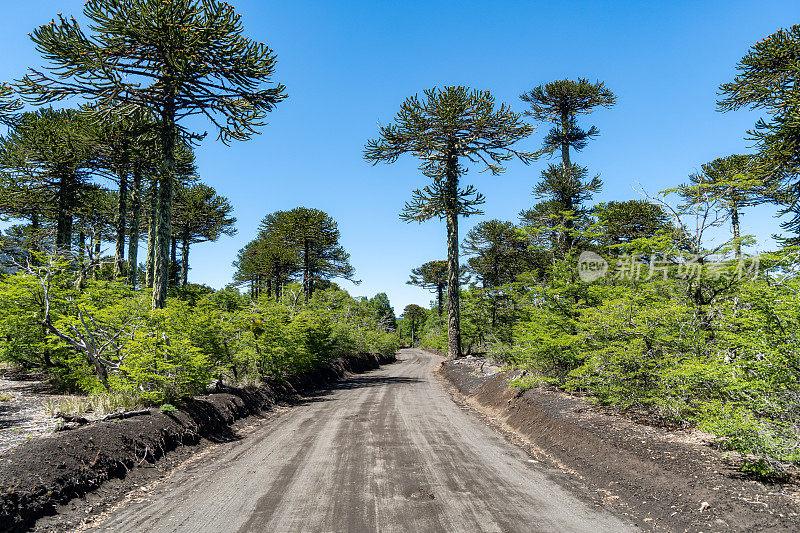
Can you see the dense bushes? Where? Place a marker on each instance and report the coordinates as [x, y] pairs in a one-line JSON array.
[[104, 336], [719, 354]]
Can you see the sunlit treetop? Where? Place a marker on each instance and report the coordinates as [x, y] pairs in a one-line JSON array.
[[768, 78], [452, 120], [445, 127], [10, 105], [186, 57], [561, 102]]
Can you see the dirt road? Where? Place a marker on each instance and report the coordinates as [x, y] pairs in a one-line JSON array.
[[383, 451]]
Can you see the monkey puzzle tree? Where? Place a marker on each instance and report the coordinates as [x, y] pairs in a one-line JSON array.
[[10, 105], [559, 103], [314, 236], [124, 142], [200, 215], [433, 277], [731, 180], [563, 194], [47, 155], [414, 316], [620, 222], [769, 78], [448, 129], [175, 59]]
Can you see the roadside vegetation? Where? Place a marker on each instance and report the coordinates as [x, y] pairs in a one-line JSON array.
[[84, 186], [659, 304]]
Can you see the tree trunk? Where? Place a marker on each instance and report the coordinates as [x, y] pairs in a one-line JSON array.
[[439, 297], [735, 225], [306, 269], [185, 260], [453, 288], [164, 214], [133, 242], [34, 244], [98, 238], [64, 215], [122, 215], [566, 165], [173, 261], [565, 162], [151, 235], [81, 260]]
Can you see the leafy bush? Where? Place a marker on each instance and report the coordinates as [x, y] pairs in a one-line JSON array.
[[103, 339]]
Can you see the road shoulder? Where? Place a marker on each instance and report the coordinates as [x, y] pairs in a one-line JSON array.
[[662, 479]]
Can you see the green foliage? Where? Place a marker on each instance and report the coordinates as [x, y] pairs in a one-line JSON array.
[[727, 364], [301, 243], [103, 338]]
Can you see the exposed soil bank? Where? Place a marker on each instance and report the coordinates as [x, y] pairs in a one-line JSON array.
[[39, 475], [670, 480]]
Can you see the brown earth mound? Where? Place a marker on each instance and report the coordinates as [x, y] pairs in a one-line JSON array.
[[41, 474], [669, 480]]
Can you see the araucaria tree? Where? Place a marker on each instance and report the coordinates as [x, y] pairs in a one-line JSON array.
[[200, 215], [768, 78], [173, 58], [448, 129], [10, 105], [302, 243], [566, 187], [433, 276], [730, 180], [46, 161]]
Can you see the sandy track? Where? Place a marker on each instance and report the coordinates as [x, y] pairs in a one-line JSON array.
[[382, 451]]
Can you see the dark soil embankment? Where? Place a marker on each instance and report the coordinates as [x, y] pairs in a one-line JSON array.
[[669, 480], [39, 475]]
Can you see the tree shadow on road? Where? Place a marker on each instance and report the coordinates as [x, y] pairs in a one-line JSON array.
[[355, 382]]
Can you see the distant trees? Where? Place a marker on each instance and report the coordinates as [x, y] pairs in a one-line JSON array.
[[620, 222], [300, 243], [731, 181], [433, 277], [448, 129], [174, 59], [200, 215], [414, 317]]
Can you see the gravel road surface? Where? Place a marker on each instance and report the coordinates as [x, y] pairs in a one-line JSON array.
[[383, 451]]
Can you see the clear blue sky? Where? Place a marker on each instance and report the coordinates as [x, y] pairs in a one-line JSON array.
[[348, 66]]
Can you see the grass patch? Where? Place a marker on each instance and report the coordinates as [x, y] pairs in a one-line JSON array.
[[97, 404]]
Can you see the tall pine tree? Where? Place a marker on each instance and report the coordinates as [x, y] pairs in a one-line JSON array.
[[448, 129], [174, 59]]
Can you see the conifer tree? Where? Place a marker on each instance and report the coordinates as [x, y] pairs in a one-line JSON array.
[[200, 215], [10, 105], [768, 78], [433, 277], [567, 187], [729, 179], [174, 59], [314, 236], [448, 129], [47, 158], [414, 316]]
